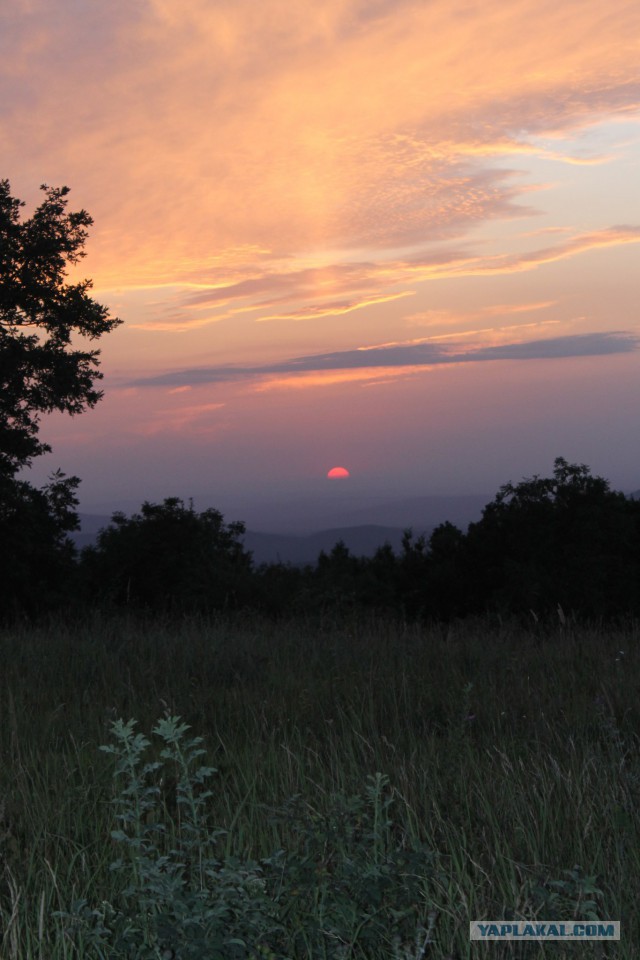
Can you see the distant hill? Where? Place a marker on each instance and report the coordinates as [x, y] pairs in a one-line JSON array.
[[296, 531], [362, 541]]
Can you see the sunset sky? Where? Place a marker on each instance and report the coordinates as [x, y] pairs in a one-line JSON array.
[[399, 237]]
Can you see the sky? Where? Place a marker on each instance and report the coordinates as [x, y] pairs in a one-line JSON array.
[[398, 237]]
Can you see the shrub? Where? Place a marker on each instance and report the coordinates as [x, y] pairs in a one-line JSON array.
[[177, 898]]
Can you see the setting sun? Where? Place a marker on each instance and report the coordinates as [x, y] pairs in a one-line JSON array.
[[338, 473]]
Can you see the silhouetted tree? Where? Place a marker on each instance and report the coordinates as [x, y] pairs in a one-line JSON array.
[[336, 578], [37, 558], [40, 312], [169, 558], [380, 581], [446, 572], [567, 539], [40, 371], [412, 565]]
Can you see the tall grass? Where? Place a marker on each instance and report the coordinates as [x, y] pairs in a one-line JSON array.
[[511, 754]]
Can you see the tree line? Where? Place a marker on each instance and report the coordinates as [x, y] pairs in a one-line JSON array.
[[567, 541], [563, 543]]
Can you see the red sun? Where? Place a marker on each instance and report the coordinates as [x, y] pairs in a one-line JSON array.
[[338, 473]]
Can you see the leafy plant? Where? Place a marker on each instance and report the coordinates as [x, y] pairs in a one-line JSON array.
[[177, 898]]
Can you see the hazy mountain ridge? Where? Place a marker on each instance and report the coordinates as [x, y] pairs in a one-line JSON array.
[[362, 541], [300, 530], [419, 512]]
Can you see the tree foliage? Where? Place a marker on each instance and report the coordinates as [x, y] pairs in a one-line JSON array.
[[168, 557], [41, 314], [37, 559], [566, 540], [42, 369]]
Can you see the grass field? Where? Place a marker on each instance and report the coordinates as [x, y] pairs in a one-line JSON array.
[[509, 787]]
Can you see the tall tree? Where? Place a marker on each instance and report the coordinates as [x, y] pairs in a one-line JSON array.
[[43, 367], [41, 313]]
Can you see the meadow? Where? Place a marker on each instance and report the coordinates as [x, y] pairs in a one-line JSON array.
[[378, 784]]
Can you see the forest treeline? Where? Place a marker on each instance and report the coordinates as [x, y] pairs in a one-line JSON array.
[[565, 542]]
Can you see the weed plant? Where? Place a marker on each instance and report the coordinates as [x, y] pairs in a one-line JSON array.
[[378, 785], [176, 899], [345, 891]]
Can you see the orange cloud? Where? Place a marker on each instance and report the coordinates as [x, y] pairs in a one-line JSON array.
[[310, 381], [439, 318], [337, 308]]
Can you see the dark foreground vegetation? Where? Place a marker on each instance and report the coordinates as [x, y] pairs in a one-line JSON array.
[[377, 785]]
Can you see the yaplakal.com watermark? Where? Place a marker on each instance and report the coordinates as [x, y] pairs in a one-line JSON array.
[[544, 930]]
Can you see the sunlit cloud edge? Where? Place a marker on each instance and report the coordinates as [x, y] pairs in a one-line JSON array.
[[411, 354]]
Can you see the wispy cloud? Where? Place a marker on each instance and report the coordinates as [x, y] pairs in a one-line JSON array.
[[448, 317], [367, 283], [466, 266], [420, 353], [336, 308]]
